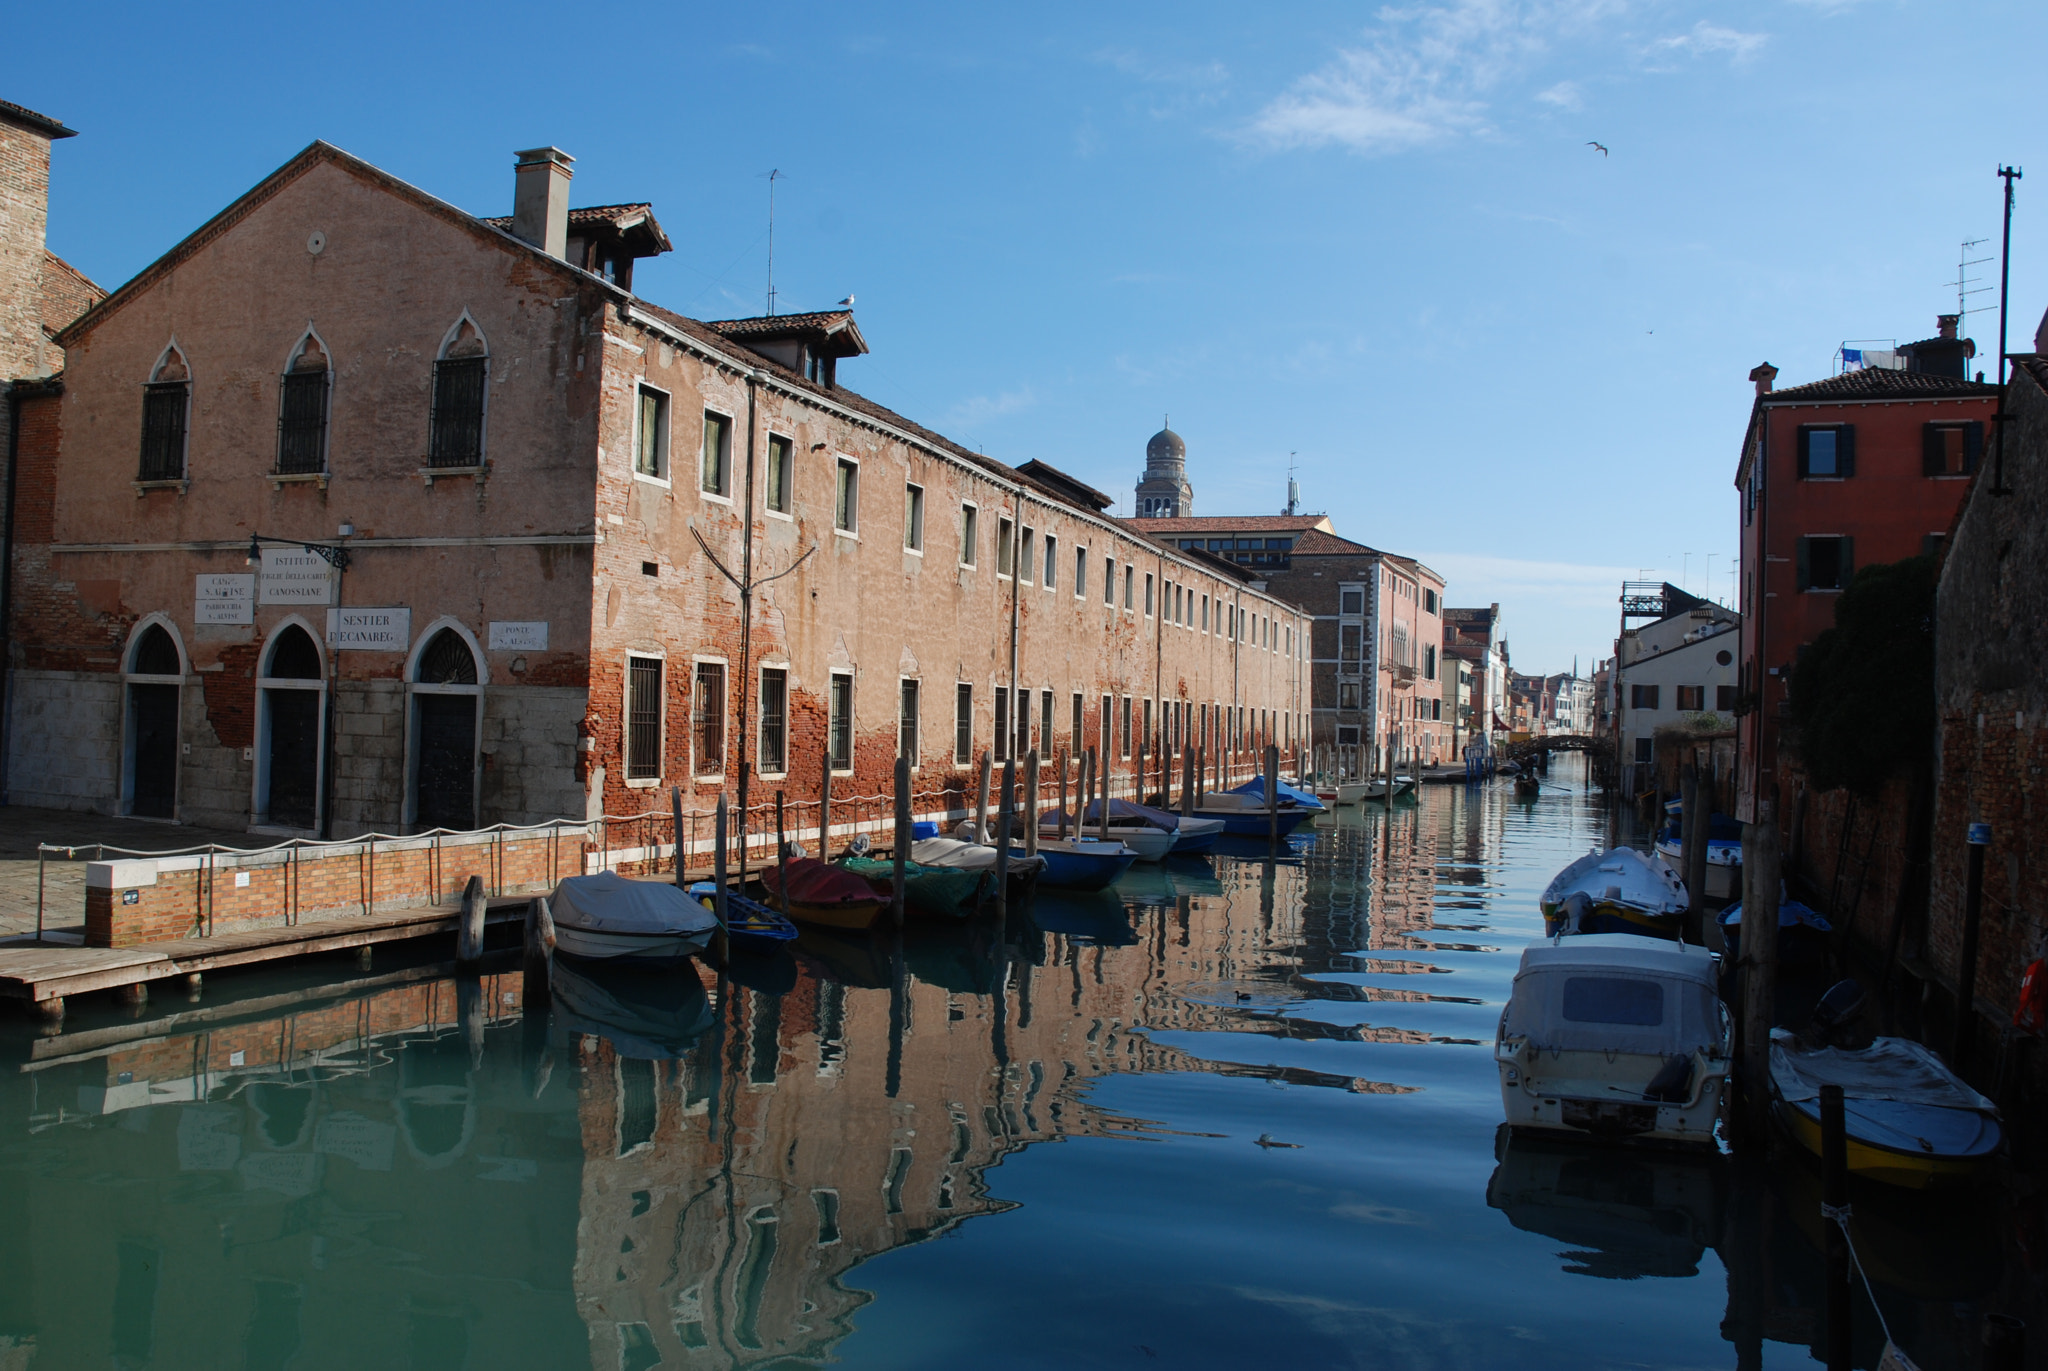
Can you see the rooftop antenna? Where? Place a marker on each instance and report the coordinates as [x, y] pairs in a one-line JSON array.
[[773, 177], [1293, 490], [1964, 280]]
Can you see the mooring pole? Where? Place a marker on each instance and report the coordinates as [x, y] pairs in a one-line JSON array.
[[1190, 769], [1139, 789], [900, 848], [1690, 838], [718, 893], [1272, 794], [981, 799], [1966, 967], [1063, 794], [825, 808], [781, 856], [1031, 803], [1834, 1208], [1760, 972], [675, 806], [1005, 812], [540, 953], [1102, 818], [469, 934]]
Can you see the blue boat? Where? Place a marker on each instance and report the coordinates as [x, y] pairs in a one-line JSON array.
[[1288, 794], [1802, 933], [1081, 863], [748, 922]]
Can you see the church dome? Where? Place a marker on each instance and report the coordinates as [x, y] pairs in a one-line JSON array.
[[1166, 446]]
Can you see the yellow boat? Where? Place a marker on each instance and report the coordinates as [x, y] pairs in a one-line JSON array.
[[1911, 1121]]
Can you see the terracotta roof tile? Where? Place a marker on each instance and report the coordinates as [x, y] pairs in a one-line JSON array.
[[1235, 523], [780, 323], [1881, 383]]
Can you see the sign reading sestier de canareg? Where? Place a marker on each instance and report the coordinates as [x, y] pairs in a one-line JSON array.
[[294, 576], [224, 598], [370, 630]]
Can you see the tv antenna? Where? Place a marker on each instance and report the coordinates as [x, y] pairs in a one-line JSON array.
[[773, 177], [1964, 281]]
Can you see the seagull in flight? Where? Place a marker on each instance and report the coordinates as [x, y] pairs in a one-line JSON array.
[[1601, 146]]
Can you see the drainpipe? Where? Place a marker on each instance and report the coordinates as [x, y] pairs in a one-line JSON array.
[[1016, 580], [1158, 664]]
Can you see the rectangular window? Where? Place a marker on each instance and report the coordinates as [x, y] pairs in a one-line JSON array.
[[1002, 738], [1724, 698], [707, 720], [839, 721], [1205, 614], [969, 534], [1123, 724], [1080, 572], [1080, 721], [1693, 698], [1351, 602], [1951, 449], [456, 430], [1106, 728], [1429, 661], [1643, 696], [1044, 722], [643, 718], [1029, 547], [1145, 729], [1643, 746], [774, 720], [1825, 563], [163, 431], [650, 437], [715, 475], [906, 723], [846, 500], [1052, 562], [1006, 550], [1429, 602], [1109, 580], [781, 473], [302, 422], [1130, 582], [963, 724], [913, 518], [1827, 450], [1350, 646], [1148, 594], [1348, 695]]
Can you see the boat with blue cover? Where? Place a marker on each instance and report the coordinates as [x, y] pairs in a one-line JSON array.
[[1724, 848], [1246, 816], [748, 922], [1802, 933], [1256, 786], [1139, 827]]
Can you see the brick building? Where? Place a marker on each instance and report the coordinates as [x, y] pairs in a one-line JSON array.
[[1378, 673], [1473, 637], [491, 492], [1862, 468]]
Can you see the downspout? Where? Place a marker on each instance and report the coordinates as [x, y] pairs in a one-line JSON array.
[[1016, 579], [7, 585], [754, 379], [1762, 582]]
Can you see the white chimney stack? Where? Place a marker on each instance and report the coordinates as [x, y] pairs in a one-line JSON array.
[[540, 199]]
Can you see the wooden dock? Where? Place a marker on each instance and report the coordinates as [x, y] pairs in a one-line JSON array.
[[44, 974]]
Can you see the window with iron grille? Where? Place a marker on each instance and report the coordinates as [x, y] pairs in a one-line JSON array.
[[840, 724], [906, 722], [643, 718], [846, 500], [1079, 713], [457, 438], [707, 719], [164, 407], [1045, 721], [1124, 728], [774, 720], [302, 423], [963, 724]]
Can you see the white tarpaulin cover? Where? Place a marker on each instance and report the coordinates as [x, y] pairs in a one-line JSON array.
[[609, 903], [951, 852], [1888, 1069], [1614, 992], [1642, 882]]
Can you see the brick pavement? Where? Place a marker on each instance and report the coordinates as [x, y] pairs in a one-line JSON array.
[[22, 827]]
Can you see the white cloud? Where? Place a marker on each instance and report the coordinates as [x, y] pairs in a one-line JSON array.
[[1564, 95], [1708, 38], [979, 409], [1422, 74]]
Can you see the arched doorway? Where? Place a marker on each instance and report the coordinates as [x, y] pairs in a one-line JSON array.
[[156, 671], [292, 688], [447, 696]]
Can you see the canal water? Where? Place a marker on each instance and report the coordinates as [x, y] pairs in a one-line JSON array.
[[1236, 1113]]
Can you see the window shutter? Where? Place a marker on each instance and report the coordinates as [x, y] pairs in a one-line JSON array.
[[1973, 444], [1804, 435], [1805, 575], [1845, 450], [1848, 556], [1930, 450]]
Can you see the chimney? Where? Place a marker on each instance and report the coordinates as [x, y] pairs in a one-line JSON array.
[[1763, 376], [540, 199], [1945, 324], [2041, 335]]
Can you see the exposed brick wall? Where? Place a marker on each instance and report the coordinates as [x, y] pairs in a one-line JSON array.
[[24, 216]]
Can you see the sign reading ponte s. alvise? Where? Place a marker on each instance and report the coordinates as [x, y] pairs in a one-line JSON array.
[[294, 576], [370, 630]]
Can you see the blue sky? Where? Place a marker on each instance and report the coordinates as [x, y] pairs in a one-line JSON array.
[[1369, 239]]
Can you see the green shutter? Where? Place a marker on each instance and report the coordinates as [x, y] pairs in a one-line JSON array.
[[1848, 573], [1845, 450], [1805, 575], [1931, 455]]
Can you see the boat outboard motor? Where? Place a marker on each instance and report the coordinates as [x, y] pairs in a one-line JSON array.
[[1576, 907], [1673, 1082], [860, 845], [1838, 1019]]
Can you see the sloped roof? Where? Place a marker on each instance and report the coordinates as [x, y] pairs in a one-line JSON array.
[[1881, 383], [1320, 542], [41, 123], [1237, 523], [835, 325], [638, 214], [67, 293]]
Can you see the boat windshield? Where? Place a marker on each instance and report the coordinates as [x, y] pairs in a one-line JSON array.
[[1613, 999]]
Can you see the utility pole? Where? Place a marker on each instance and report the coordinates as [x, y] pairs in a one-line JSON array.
[[1998, 486]]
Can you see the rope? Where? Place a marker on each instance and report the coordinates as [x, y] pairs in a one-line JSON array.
[[1839, 1215]]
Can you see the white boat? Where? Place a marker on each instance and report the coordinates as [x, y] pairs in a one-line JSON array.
[[606, 917], [1724, 864], [1614, 1036], [965, 852], [1351, 792], [1617, 891]]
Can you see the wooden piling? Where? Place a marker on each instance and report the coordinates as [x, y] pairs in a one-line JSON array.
[[1031, 803], [781, 856], [1760, 967], [1063, 794], [825, 807], [1102, 816], [1272, 794], [469, 934], [1692, 835], [540, 954], [675, 806], [1201, 771], [719, 892], [900, 848], [1966, 965], [1005, 812], [1084, 791], [981, 800], [1190, 768], [1139, 792], [1834, 1185]]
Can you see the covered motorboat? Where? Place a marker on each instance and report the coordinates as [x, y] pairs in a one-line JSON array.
[[1140, 828], [1256, 787], [1617, 891], [1080, 863], [1246, 816], [607, 917], [1802, 933], [968, 850], [748, 922], [1724, 849], [1614, 1036]]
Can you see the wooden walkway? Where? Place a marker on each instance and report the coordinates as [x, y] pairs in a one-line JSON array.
[[45, 973]]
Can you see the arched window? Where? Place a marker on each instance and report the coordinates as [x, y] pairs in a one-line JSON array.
[[302, 410], [456, 427], [447, 701], [166, 406], [292, 694], [154, 679]]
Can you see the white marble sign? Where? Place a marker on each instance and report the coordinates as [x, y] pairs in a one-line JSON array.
[[509, 635], [370, 630], [224, 599], [294, 576]]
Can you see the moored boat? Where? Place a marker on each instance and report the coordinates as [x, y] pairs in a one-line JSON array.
[[1256, 787], [1080, 863], [1618, 891], [606, 917], [1528, 787], [748, 922], [1802, 933], [1724, 849], [1246, 816], [826, 893], [1153, 834], [1616, 1037], [946, 892]]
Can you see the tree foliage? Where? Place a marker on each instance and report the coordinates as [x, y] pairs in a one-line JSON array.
[[1862, 695]]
